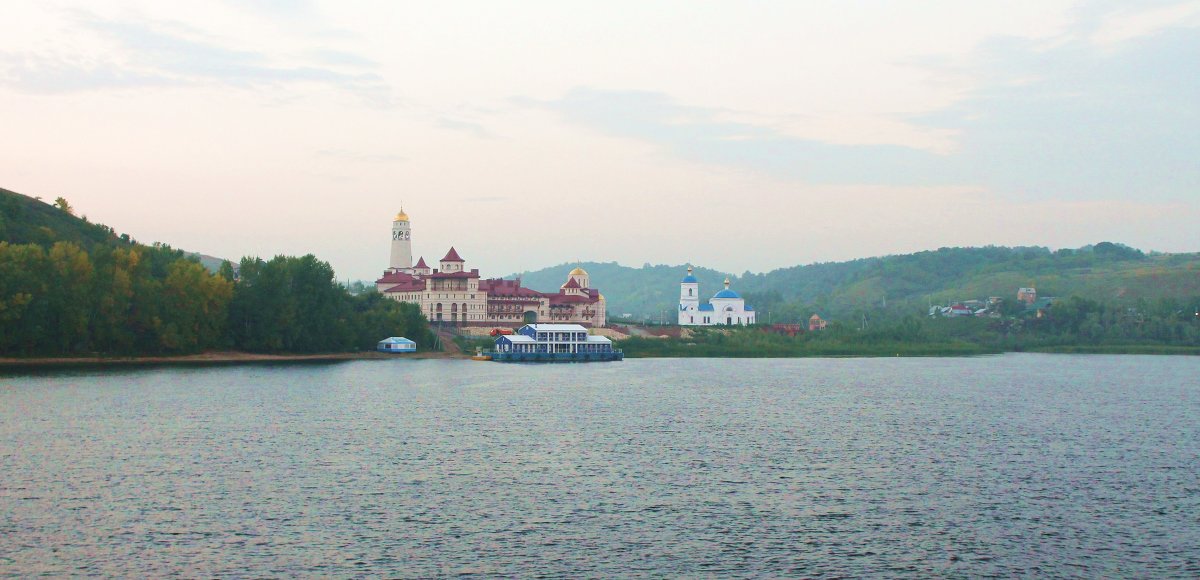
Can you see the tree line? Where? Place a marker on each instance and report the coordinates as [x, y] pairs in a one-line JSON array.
[[130, 299], [1076, 324]]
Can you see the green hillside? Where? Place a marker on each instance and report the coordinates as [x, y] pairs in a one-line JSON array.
[[905, 284], [27, 220], [69, 287], [644, 291]]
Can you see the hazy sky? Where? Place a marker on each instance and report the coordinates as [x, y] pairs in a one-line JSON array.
[[736, 135]]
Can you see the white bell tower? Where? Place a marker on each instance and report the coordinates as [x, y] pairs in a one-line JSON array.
[[401, 243], [689, 300]]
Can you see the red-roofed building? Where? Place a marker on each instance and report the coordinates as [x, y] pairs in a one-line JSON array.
[[453, 294]]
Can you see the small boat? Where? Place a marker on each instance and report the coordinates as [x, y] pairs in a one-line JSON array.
[[480, 355]]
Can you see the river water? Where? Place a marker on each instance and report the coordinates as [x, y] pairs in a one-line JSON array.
[[1014, 465]]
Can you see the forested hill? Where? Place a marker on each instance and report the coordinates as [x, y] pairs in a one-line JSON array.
[[28, 220], [1106, 272], [638, 291], [70, 287]]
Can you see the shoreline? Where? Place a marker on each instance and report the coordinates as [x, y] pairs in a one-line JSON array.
[[212, 358], [234, 357]]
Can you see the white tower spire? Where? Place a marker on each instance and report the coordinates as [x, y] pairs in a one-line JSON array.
[[401, 242]]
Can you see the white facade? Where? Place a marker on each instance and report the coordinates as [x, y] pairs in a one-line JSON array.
[[724, 308]]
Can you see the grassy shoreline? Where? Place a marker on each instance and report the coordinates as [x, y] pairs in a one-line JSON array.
[[1118, 349], [208, 358]]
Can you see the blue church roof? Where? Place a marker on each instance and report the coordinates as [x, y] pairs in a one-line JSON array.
[[749, 309], [726, 293], [689, 279], [706, 308]]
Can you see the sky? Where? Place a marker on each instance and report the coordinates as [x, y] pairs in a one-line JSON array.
[[740, 136]]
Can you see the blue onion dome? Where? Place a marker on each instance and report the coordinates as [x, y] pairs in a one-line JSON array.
[[689, 279], [726, 293]]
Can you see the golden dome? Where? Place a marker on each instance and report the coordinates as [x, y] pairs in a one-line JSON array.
[[578, 272], [602, 297], [401, 217]]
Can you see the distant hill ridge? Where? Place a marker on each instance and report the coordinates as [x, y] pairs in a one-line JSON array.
[[900, 284], [906, 283], [29, 220]]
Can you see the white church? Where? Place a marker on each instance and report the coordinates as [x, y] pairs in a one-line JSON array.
[[724, 308]]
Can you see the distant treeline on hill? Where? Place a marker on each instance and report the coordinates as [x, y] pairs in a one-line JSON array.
[[1072, 325], [70, 287], [902, 285]]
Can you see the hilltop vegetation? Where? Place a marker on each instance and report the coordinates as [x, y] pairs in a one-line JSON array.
[[639, 291], [898, 286], [27, 220], [71, 287], [1073, 325]]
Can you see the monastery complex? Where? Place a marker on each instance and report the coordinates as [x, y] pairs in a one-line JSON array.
[[453, 294]]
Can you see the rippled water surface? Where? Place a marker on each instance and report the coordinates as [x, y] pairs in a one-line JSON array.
[[996, 466]]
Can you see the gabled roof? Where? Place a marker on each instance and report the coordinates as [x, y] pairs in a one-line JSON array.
[[414, 286], [571, 283], [443, 275], [706, 308], [421, 263], [395, 278], [452, 256], [515, 338], [499, 287], [557, 299]]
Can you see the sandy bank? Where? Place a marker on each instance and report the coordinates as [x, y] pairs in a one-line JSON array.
[[224, 357]]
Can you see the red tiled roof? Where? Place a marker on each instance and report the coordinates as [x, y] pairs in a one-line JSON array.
[[556, 299], [571, 283], [452, 256], [421, 263], [444, 275], [395, 278], [414, 286], [501, 287]]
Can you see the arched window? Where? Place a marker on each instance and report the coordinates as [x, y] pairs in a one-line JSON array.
[[439, 306]]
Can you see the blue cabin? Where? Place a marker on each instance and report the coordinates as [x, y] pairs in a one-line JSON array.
[[396, 344]]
